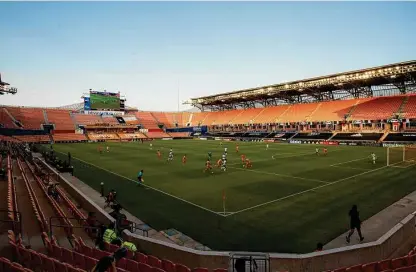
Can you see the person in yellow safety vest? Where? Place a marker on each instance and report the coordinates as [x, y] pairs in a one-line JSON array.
[[109, 234], [126, 244]]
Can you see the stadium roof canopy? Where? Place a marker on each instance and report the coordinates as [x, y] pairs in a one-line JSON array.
[[396, 77]]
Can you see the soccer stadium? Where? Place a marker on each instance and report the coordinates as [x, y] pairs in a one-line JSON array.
[[314, 174]]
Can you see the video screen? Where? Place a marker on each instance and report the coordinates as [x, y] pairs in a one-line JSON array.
[[104, 101]]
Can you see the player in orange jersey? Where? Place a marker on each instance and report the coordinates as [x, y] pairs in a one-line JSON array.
[[219, 163], [159, 155], [325, 151], [236, 148], [100, 149], [243, 158], [248, 164], [184, 159], [208, 166]]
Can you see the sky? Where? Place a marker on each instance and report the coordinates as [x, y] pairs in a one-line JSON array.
[[53, 52]]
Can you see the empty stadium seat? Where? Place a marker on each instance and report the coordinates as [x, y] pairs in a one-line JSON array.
[[68, 137], [376, 108], [61, 119], [30, 118], [147, 120], [409, 109]]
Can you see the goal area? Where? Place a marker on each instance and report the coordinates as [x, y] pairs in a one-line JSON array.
[[401, 156]]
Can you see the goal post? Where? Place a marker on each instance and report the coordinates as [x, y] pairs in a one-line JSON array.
[[401, 154]]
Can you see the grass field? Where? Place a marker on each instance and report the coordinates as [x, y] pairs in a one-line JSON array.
[[286, 204]]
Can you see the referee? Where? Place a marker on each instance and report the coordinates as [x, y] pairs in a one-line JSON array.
[[140, 179]]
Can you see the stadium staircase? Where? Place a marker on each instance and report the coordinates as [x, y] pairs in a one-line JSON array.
[[333, 135], [189, 121], [401, 108], [383, 137], [45, 116], [15, 122], [71, 115], [308, 118], [352, 109]]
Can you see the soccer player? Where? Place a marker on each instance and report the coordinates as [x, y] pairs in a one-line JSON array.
[[100, 149], [208, 166], [184, 159], [108, 148], [219, 163], [140, 178], [248, 164], [224, 156], [243, 158], [225, 150], [373, 157], [209, 156], [151, 146], [317, 151], [159, 155], [170, 157], [267, 146], [224, 166], [236, 148], [325, 151]]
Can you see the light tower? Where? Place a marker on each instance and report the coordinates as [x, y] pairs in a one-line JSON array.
[[5, 88]]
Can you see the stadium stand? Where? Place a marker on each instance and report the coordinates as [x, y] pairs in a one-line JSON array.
[[136, 135], [246, 116], [183, 118], [376, 108], [103, 136], [147, 119], [61, 119], [180, 134], [198, 118], [33, 138], [157, 134], [110, 120], [333, 110], [87, 119], [270, 115], [167, 119], [409, 109], [68, 137], [131, 120], [30, 118], [6, 119]]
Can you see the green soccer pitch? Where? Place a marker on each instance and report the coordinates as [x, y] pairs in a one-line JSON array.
[[283, 204]]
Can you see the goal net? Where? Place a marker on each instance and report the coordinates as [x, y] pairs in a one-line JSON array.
[[402, 156]]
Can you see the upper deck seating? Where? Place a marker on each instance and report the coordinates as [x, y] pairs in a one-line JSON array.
[[376, 108], [87, 119], [409, 109], [146, 119], [297, 112], [110, 120], [333, 110], [198, 118], [6, 120], [30, 118], [165, 118], [225, 117], [61, 119], [130, 120], [246, 116], [270, 114]]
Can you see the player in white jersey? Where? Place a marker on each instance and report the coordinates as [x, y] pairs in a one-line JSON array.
[[151, 146], [373, 157], [224, 157], [317, 151], [170, 156], [224, 165], [267, 146], [108, 149], [225, 150]]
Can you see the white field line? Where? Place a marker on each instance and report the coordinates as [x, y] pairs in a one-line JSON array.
[[308, 190], [150, 187], [347, 167], [280, 175], [349, 161]]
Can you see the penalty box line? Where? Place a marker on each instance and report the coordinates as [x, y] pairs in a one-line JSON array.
[[308, 190], [150, 187]]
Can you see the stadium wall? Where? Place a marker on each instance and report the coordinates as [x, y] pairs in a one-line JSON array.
[[392, 244]]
